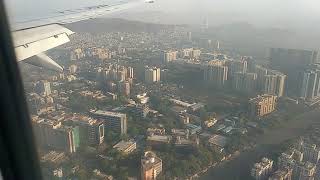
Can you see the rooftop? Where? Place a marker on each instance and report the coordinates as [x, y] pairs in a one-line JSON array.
[[159, 138], [54, 157], [218, 140], [149, 159], [123, 145], [85, 119], [108, 113]]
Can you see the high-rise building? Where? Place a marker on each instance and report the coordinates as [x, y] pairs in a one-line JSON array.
[[151, 166], [169, 56], [43, 88], [196, 53], [91, 131], [76, 54], [304, 171], [164, 74], [237, 66], [101, 53], [261, 170], [124, 88], [73, 68], [217, 75], [186, 53], [282, 174], [130, 73], [308, 88], [245, 82], [112, 120], [189, 36], [205, 25], [270, 81], [52, 134], [311, 152], [261, 72], [262, 105], [152, 75], [292, 59], [310, 85], [291, 62]]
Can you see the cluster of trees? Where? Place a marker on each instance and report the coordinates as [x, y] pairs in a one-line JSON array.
[[161, 104], [183, 164]]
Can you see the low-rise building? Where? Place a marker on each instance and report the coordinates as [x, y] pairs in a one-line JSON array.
[[193, 129], [158, 139], [98, 175], [126, 147], [156, 131], [139, 110], [184, 118], [218, 142]]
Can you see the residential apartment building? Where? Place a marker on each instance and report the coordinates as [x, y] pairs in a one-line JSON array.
[[262, 105], [262, 170]]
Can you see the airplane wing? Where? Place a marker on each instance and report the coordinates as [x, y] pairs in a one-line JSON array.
[[33, 37]]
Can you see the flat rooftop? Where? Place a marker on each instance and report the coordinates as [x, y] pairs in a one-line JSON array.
[[218, 140], [108, 113], [159, 138], [123, 145]]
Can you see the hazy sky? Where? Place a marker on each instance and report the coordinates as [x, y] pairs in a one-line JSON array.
[[260, 12]]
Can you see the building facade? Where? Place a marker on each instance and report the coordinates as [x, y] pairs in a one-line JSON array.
[[262, 105], [262, 170], [152, 75], [216, 75], [112, 120], [151, 166], [52, 134]]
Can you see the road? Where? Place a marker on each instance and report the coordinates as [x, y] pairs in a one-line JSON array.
[[239, 168]]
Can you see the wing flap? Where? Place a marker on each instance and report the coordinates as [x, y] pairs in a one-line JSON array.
[[30, 42]]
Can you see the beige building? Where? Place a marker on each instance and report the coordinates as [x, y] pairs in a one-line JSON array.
[[76, 54], [73, 68], [262, 169], [152, 75], [126, 147], [151, 166], [169, 56], [262, 105]]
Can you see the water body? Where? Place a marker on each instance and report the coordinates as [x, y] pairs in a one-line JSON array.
[[239, 168]]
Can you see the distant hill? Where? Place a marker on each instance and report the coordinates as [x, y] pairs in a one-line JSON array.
[[115, 25]]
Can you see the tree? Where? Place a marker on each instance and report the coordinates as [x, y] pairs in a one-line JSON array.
[[203, 114]]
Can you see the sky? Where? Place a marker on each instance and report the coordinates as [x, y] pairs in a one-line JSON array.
[[277, 13]]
